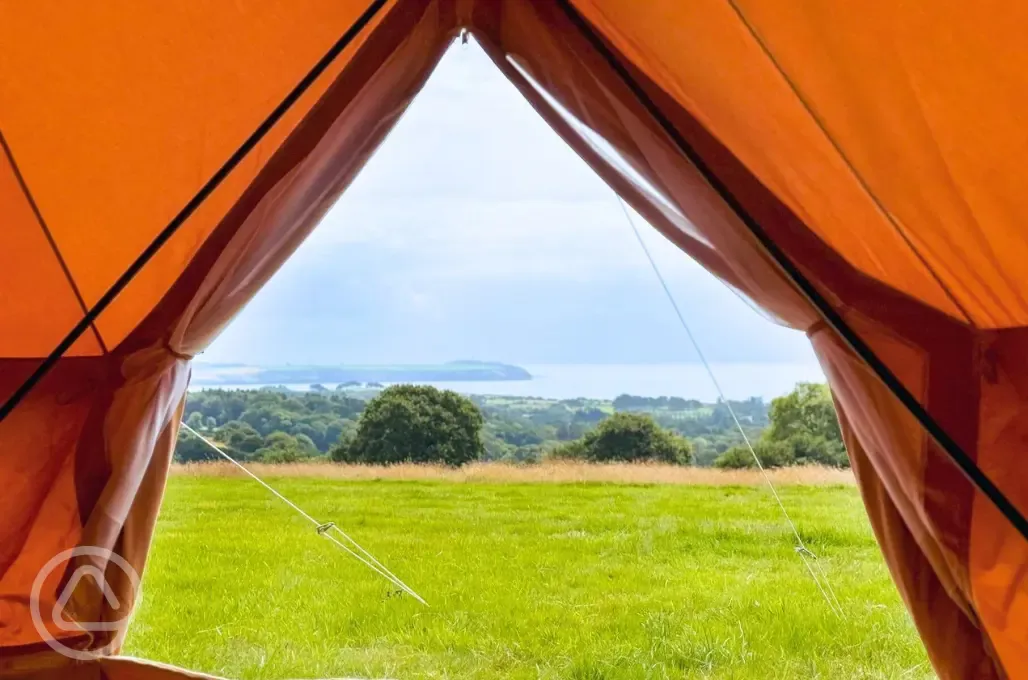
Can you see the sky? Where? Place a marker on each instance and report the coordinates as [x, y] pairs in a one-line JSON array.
[[474, 232]]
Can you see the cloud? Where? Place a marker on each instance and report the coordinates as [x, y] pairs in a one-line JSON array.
[[475, 232]]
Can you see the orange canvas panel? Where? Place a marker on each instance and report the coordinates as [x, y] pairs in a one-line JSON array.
[[101, 484], [940, 586], [31, 280], [154, 281], [926, 101], [701, 54], [943, 617], [41, 503], [890, 437], [998, 554], [118, 112], [93, 481]]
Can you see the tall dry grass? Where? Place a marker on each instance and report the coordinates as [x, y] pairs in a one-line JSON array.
[[549, 472]]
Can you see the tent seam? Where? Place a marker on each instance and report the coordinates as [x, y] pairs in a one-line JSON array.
[[192, 206], [953, 450], [23, 185], [846, 160]]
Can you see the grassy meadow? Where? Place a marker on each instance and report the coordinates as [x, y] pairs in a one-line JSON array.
[[551, 576]]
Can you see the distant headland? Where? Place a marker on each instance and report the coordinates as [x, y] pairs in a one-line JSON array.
[[214, 374]]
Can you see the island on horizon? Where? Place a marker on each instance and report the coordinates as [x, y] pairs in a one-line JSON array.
[[215, 374]]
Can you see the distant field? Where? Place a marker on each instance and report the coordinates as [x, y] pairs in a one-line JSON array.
[[548, 472], [588, 581]]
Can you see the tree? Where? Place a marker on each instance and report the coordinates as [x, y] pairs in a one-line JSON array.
[[772, 454], [314, 429], [514, 432], [420, 424], [280, 447], [496, 448], [704, 452], [340, 450], [573, 430], [196, 421], [573, 450], [189, 448], [805, 420], [240, 438], [627, 436], [589, 415], [809, 449], [804, 430], [722, 418], [306, 444], [808, 409], [624, 402], [514, 429]]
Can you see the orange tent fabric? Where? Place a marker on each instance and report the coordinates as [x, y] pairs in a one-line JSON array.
[[874, 149]]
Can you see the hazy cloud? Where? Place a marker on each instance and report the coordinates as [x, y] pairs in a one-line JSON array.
[[475, 232]]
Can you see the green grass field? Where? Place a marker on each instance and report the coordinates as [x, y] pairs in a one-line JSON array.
[[582, 581]]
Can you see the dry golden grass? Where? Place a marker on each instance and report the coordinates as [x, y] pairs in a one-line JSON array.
[[552, 472]]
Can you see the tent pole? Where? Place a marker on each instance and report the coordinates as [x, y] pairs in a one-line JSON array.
[[206, 190], [953, 450]]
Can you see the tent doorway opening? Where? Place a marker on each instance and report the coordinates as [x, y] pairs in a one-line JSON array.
[[475, 232], [157, 167]]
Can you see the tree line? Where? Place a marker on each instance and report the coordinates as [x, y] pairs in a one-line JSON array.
[[423, 424]]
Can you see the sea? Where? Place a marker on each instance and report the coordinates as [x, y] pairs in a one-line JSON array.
[[607, 381]]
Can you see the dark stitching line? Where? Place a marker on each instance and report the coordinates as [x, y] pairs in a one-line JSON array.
[[46, 230], [194, 203], [956, 453]]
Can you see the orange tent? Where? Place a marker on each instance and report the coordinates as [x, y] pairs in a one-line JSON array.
[[850, 168]]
